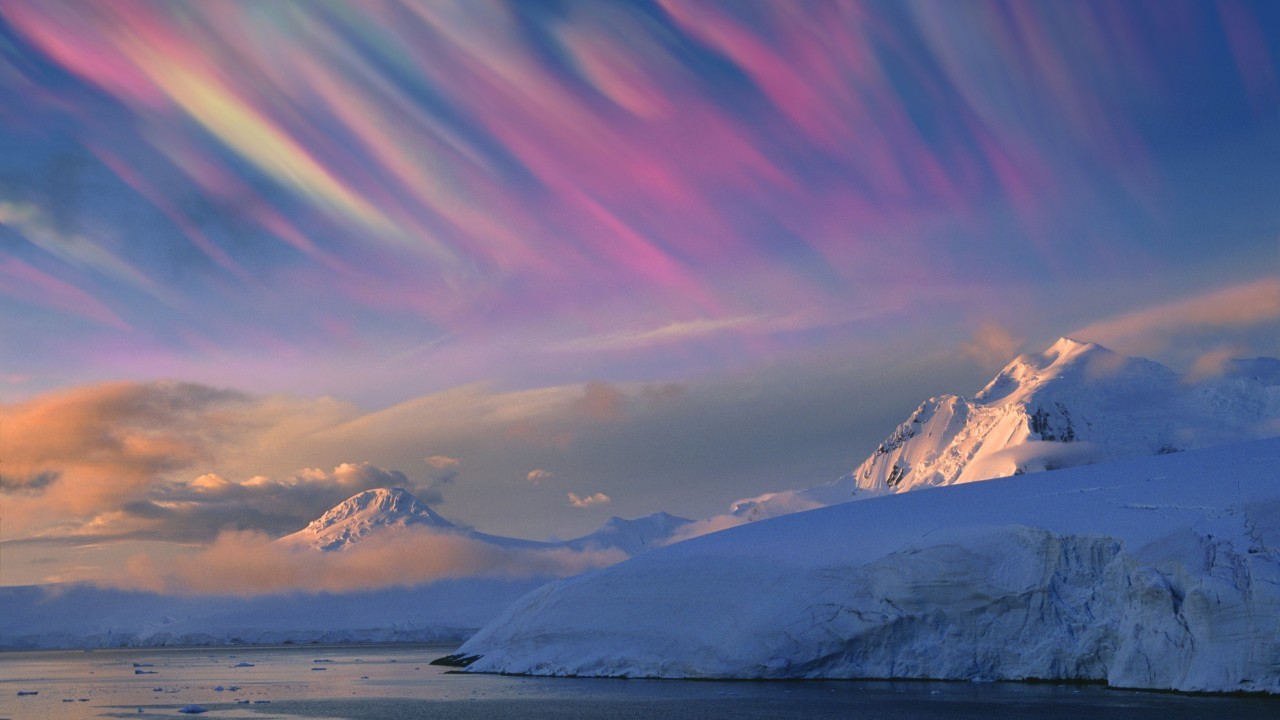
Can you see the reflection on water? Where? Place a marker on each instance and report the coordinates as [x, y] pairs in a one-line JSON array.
[[395, 682]]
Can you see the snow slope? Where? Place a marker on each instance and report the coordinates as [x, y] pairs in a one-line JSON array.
[[1073, 404], [1152, 572]]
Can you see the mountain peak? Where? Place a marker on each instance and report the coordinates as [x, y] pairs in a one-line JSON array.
[[1064, 351], [1030, 371], [1075, 403], [1065, 347], [363, 513], [385, 504]]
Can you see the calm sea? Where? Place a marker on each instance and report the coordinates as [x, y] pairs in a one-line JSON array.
[[396, 682]]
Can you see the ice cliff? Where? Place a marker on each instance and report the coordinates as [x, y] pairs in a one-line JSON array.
[[1154, 572]]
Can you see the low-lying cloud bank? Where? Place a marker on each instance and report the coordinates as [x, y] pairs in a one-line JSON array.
[[251, 563]]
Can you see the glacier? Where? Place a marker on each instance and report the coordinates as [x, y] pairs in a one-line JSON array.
[[1158, 572]]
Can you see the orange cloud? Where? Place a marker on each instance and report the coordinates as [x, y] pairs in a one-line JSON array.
[[601, 401], [991, 345], [585, 502], [79, 450], [88, 454]]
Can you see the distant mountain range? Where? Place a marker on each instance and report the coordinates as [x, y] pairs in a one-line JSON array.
[[387, 511], [1076, 403]]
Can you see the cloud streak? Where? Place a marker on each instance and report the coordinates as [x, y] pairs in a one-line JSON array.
[[1156, 328]]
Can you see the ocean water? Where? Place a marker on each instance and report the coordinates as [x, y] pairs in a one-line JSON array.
[[397, 682]]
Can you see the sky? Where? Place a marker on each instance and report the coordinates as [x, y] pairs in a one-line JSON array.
[[544, 262]]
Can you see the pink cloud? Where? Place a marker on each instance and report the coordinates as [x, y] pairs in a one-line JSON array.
[[29, 284], [69, 35], [1253, 58], [1212, 363], [494, 171]]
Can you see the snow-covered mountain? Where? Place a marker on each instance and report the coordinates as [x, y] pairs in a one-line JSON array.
[[363, 514], [1151, 572], [1073, 404], [386, 511]]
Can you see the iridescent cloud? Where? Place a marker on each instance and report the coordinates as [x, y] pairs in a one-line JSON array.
[[424, 170]]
